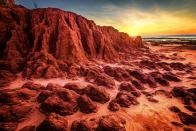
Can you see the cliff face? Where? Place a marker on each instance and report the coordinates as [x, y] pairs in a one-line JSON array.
[[45, 40]]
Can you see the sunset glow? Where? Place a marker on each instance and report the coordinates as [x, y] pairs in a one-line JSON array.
[[155, 22], [135, 17]]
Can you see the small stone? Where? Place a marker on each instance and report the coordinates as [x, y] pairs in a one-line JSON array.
[[113, 105], [186, 118], [177, 124], [190, 108], [175, 109]]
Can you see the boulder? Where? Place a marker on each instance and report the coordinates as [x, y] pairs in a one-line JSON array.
[[58, 106], [147, 94], [187, 100], [124, 74], [171, 77], [96, 76], [186, 118], [98, 94], [177, 124], [85, 125], [53, 122], [159, 78], [192, 90], [117, 73], [178, 66], [67, 95], [103, 80], [190, 108], [111, 123], [163, 92], [179, 92], [43, 95], [113, 73], [174, 109], [138, 75], [164, 65], [151, 99], [127, 86], [113, 105], [26, 94], [86, 105], [138, 85], [151, 81], [53, 87], [162, 81], [148, 64], [104, 123], [75, 87], [33, 86], [125, 99], [52, 72]]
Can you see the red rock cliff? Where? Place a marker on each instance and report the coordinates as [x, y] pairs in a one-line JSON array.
[[44, 40]]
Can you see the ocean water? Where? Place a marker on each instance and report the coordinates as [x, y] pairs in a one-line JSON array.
[[171, 38]]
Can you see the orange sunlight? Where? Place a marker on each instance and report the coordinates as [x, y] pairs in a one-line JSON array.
[[155, 22]]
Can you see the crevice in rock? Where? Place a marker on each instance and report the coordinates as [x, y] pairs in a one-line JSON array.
[[68, 23], [28, 30], [4, 39], [53, 39], [83, 39], [39, 40], [15, 17], [97, 43]]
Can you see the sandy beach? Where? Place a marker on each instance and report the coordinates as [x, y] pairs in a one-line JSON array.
[[147, 115]]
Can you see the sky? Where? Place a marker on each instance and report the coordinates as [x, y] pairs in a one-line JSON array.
[[135, 17]]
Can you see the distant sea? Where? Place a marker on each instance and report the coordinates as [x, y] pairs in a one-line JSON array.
[[171, 38]]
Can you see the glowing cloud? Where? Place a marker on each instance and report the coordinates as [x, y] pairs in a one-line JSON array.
[[136, 17], [156, 21]]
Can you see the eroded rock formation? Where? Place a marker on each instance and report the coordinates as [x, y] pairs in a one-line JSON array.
[[46, 42]]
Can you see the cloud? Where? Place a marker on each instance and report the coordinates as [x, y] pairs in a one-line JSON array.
[[134, 16], [154, 21]]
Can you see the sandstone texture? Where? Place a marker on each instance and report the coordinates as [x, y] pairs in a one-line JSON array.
[[46, 42]]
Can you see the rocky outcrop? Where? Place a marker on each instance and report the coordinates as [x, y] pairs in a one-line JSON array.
[[98, 94], [45, 42], [86, 105], [54, 122], [125, 99], [104, 123]]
